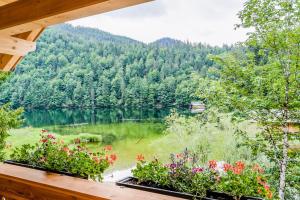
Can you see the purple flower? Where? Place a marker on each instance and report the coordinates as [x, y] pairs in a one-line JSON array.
[[197, 170], [173, 165]]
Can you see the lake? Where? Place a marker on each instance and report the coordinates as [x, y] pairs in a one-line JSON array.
[[130, 132]]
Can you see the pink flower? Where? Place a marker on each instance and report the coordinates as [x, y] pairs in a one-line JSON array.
[[50, 136], [173, 165], [197, 170]]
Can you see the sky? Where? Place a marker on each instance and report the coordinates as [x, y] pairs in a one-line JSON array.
[[206, 21]]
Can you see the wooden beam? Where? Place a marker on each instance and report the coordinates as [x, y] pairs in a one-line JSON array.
[[4, 2], [22, 183], [26, 15], [9, 62], [15, 46]]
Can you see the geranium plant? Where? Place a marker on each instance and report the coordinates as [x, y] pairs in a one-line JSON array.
[[53, 154], [242, 180], [184, 174]]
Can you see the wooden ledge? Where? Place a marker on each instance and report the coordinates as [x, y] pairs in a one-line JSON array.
[[24, 184]]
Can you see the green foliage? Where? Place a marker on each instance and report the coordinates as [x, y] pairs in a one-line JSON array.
[[212, 134], [90, 138], [154, 172], [52, 154], [3, 76], [8, 119], [109, 138], [82, 67]]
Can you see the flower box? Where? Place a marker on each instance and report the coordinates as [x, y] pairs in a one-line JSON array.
[[11, 162], [133, 183]]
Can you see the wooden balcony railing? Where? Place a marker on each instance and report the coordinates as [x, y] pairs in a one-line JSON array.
[[19, 183]]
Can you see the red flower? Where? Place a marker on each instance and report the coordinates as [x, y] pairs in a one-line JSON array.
[[44, 140], [239, 167], [237, 170], [66, 149], [240, 164], [108, 148], [140, 157], [227, 167], [44, 131], [50, 136], [113, 157], [212, 164]]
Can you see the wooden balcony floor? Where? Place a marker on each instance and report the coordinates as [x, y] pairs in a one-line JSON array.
[[24, 184]]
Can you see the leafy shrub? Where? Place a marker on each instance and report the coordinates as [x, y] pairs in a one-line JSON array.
[[52, 154], [108, 138], [184, 175], [8, 119], [90, 138]]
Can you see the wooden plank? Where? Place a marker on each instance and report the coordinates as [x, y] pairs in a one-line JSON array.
[[4, 2], [9, 62], [15, 46], [25, 183], [26, 15]]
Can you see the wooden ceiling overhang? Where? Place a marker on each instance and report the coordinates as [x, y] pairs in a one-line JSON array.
[[22, 22]]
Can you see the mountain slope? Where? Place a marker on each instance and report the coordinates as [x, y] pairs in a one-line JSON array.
[[167, 42], [92, 34], [83, 67]]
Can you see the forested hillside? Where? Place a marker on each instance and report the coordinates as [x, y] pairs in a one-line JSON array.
[[84, 67]]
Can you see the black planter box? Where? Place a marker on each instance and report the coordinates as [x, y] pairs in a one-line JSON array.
[[132, 183], [11, 162]]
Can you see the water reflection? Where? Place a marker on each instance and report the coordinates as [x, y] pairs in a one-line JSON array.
[[39, 118]]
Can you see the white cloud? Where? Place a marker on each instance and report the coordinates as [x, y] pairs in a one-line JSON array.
[[207, 21]]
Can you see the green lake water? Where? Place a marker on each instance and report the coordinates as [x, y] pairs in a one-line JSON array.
[[131, 132]]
